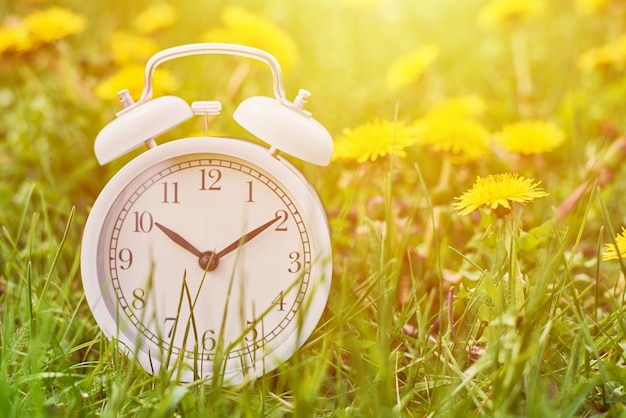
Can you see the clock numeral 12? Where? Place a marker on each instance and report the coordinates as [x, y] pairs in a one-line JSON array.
[[213, 174]]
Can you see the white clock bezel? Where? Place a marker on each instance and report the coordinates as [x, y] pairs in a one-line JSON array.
[[301, 191]]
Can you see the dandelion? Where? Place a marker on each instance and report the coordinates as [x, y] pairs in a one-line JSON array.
[[506, 13], [408, 68], [132, 78], [362, 3], [372, 140], [156, 17], [609, 56], [38, 28], [530, 137], [53, 24], [246, 28], [462, 138], [128, 47], [497, 192], [591, 6], [611, 251], [14, 37], [469, 106]]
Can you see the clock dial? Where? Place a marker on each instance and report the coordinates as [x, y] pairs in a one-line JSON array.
[[206, 256]]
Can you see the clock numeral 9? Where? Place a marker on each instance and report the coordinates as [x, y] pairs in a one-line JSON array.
[[126, 257], [214, 176], [143, 222]]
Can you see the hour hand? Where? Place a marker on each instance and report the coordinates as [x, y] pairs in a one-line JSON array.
[[179, 240]]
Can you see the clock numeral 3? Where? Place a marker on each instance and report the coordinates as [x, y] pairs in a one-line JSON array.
[[214, 176], [296, 265]]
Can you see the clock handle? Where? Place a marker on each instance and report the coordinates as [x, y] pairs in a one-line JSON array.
[[215, 48]]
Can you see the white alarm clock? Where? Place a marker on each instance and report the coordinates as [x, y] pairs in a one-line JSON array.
[[209, 257]]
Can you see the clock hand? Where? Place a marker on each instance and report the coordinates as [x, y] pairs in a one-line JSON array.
[[179, 240], [247, 237]]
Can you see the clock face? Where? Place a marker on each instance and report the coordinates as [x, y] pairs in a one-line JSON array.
[[210, 257]]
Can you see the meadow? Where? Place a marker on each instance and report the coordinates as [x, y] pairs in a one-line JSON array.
[[475, 197]]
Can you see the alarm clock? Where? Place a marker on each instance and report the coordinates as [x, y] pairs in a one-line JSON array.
[[209, 258]]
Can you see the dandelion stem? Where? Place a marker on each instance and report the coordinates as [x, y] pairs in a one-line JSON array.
[[523, 78]]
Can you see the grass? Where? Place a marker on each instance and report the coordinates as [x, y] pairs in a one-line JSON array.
[[431, 313]]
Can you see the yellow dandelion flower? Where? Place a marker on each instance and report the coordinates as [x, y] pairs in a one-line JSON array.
[[372, 140], [14, 37], [462, 138], [591, 6], [609, 56], [128, 47], [611, 250], [246, 28], [132, 78], [498, 190], [530, 137], [362, 3], [52, 24], [408, 68], [156, 17], [506, 13], [469, 106]]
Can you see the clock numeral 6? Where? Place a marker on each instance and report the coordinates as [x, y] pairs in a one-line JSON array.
[[208, 340]]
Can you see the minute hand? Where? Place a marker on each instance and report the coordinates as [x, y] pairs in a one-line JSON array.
[[247, 237]]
